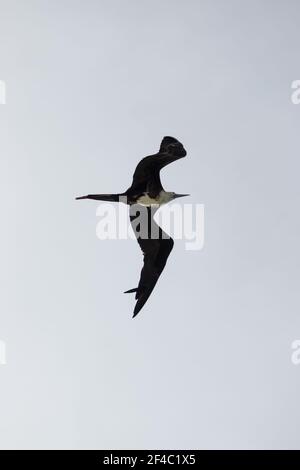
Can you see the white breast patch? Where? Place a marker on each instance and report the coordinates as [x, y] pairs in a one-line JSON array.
[[162, 198], [145, 200]]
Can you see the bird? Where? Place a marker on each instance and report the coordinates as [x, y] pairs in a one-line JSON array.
[[145, 195]]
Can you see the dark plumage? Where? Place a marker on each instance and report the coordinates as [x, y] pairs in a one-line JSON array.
[[144, 196]]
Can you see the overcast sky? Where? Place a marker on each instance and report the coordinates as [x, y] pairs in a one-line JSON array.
[[92, 87]]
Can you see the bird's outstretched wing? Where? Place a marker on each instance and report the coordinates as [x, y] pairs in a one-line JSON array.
[[146, 176], [156, 246]]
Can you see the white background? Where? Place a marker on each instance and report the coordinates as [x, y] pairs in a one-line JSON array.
[[92, 87]]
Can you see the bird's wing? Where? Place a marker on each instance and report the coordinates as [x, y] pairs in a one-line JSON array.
[[156, 252], [146, 176]]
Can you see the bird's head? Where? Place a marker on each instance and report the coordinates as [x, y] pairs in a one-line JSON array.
[[175, 195], [172, 146]]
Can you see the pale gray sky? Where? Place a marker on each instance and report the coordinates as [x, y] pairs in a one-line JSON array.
[[92, 87]]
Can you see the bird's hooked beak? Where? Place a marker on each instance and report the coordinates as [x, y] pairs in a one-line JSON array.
[[180, 195]]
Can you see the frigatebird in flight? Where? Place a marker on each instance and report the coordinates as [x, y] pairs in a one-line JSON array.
[[145, 195]]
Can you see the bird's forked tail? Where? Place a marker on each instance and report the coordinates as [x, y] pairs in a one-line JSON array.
[[102, 197]]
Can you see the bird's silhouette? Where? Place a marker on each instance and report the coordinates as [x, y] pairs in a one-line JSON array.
[[145, 195]]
